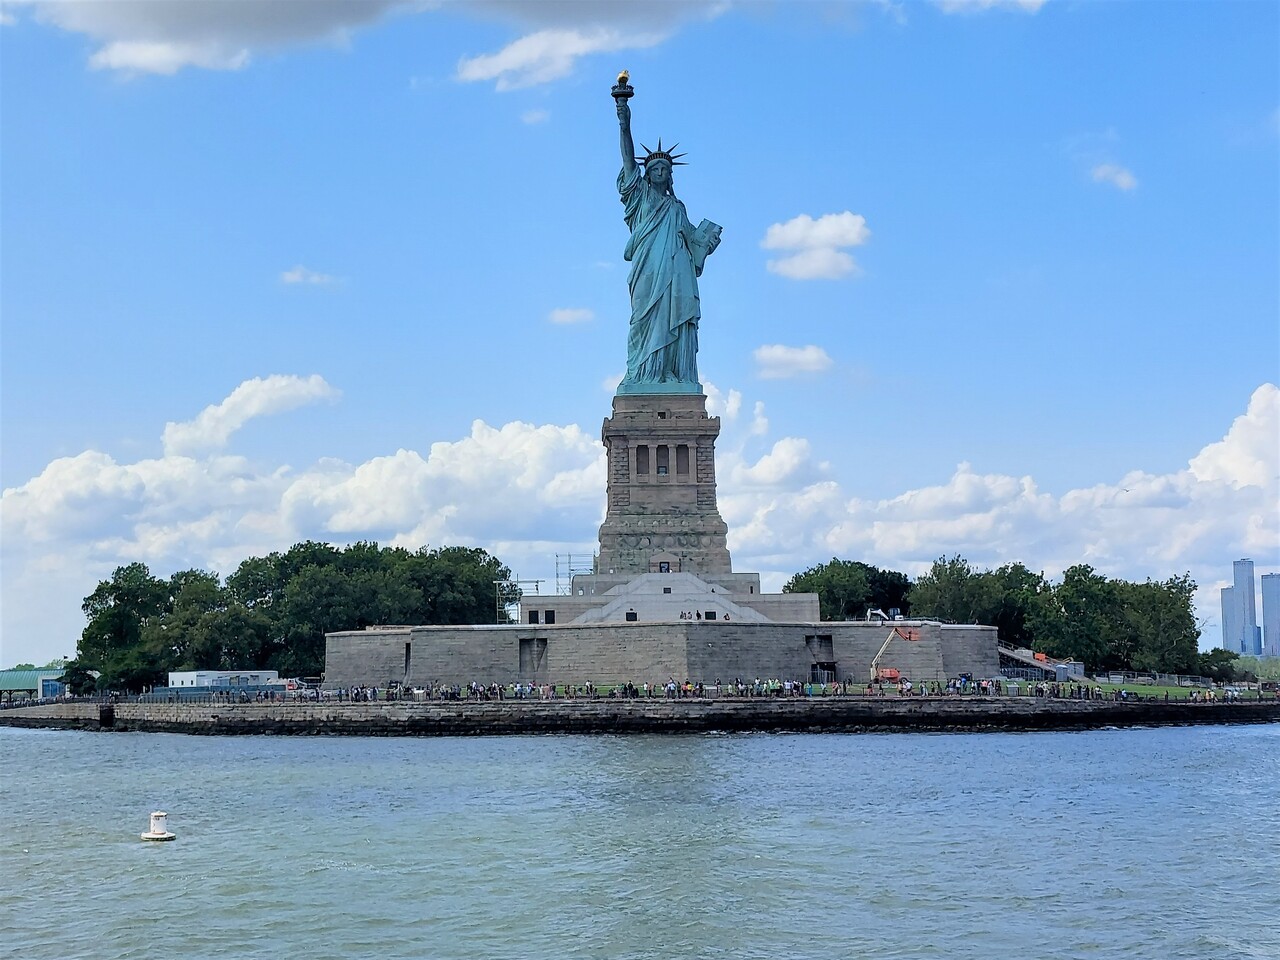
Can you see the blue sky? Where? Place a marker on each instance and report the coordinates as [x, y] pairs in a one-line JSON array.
[[351, 270]]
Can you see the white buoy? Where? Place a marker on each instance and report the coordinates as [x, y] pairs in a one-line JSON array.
[[159, 830]]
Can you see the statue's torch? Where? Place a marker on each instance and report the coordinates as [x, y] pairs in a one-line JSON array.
[[622, 90]]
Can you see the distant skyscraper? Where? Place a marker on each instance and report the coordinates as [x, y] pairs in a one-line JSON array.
[[1244, 621], [1271, 613], [1230, 635]]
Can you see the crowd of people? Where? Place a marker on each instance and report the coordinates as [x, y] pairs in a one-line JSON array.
[[739, 688], [673, 689]]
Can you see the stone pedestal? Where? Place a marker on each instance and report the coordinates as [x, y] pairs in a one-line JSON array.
[[662, 514]]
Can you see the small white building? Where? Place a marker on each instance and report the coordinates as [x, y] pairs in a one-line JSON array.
[[224, 678]]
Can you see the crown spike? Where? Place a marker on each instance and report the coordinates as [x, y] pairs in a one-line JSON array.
[[663, 153]]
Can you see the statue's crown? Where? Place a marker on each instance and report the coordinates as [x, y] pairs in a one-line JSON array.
[[660, 154]]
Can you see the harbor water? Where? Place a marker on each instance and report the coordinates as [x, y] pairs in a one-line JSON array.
[[1160, 843]]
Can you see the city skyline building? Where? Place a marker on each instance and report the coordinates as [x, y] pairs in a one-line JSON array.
[[1240, 631], [1229, 632], [1271, 614]]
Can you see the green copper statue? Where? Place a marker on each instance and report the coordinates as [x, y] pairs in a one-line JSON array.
[[666, 253]]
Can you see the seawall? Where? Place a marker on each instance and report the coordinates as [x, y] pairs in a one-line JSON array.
[[468, 718]]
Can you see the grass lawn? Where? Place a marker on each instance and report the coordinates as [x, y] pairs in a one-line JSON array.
[[1175, 693]]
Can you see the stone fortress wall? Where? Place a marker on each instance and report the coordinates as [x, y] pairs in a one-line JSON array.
[[642, 652]]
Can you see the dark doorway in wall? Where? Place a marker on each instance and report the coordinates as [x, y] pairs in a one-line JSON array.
[[822, 673], [533, 658]]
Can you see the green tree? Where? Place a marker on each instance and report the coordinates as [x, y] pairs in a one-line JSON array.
[[274, 611], [847, 589], [23, 666], [79, 679], [318, 600], [322, 600], [954, 592], [260, 582], [170, 637], [1089, 622], [230, 638], [889, 589], [457, 584], [118, 609], [1022, 604], [1160, 619], [1218, 664], [842, 586]]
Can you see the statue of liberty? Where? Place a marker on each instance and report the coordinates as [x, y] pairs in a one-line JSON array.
[[666, 253]]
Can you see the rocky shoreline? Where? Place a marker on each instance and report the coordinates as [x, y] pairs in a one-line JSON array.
[[607, 716]]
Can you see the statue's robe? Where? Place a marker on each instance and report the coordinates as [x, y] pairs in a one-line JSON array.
[[666, 255]]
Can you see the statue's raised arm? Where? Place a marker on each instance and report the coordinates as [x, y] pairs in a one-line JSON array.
[[628, 144], [667, 254], [622, 94]]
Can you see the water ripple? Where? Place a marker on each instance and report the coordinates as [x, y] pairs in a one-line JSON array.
[[1134, 843]]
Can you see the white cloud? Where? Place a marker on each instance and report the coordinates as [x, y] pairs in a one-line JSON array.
[[977, 6], [527, 491], [1094, 151], [1247, 456], [783, 464], [1115, 175], [727, 406], [775, 361], [894, 9], [532, 117], [817, 244], [164, 37], [819, 264], [558, 33], [212, 34], [254, 398], [1222, 505], [805, 233], [301, 274], [166, 58], [548, 55], [759, 422], [564, 315]]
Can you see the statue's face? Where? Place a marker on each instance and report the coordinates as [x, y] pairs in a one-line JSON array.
[[659, 173]]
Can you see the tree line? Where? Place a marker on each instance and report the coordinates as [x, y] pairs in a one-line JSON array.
[[1107, 624], [274, 611]]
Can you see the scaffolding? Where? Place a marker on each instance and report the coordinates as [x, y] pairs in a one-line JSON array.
[[570, 565], [507, 595]]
